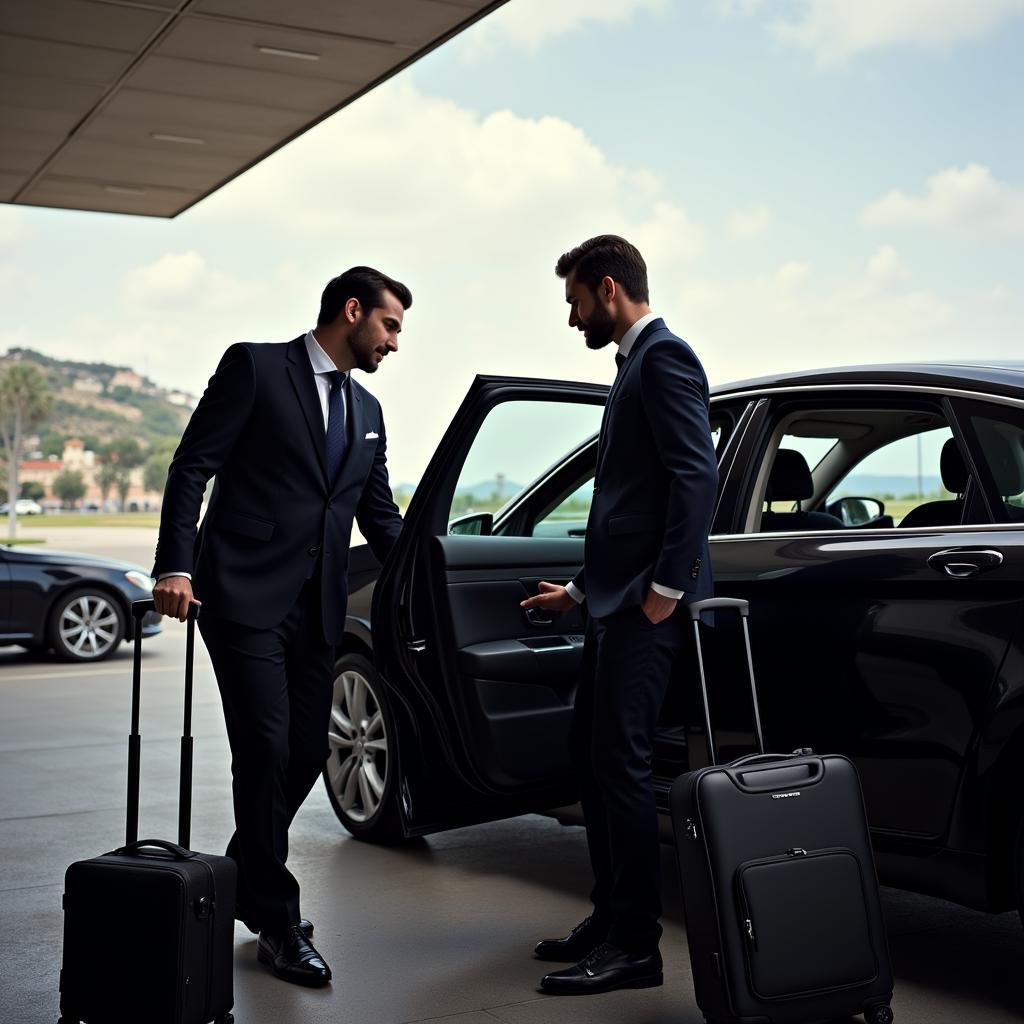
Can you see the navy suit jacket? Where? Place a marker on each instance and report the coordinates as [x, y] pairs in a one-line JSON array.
[[273, 514], [656, 480]]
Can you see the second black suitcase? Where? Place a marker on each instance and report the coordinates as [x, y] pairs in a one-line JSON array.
[[149, 927], [783, 917]]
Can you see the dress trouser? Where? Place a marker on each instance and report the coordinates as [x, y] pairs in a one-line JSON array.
[[626, 667], [276, 686]]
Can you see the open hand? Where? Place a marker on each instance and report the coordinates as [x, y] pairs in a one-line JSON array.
[[552, 596]]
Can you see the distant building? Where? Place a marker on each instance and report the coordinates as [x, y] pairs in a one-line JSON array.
[[126, 379], [88, 385], [182, 398]]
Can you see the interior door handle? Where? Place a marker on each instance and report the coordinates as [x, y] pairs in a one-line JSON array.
[[538, 617], [962, 563]]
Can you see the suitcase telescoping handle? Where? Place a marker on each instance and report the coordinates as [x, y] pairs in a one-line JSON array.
[[743, 607], [139, 610]]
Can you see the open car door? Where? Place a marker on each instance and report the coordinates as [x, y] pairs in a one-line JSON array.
[[484, 689]]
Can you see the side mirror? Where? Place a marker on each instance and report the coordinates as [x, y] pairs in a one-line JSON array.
[[857, 511], [476, 524]]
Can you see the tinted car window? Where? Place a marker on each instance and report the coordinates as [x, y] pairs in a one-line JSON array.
[[1000, 436]]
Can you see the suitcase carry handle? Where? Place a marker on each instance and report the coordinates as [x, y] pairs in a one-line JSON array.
[[137, 847], [735, 771], [743, 608], [139, 611]]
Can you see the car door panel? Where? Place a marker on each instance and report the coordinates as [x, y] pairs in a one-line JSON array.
[[515, 677]]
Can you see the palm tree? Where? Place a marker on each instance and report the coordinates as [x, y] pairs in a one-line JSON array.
[[25, 401]]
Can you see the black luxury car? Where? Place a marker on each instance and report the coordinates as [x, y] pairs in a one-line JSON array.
[[78, 605], [872, 516]]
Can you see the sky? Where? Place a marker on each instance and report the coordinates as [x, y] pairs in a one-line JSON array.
[[811, 182]]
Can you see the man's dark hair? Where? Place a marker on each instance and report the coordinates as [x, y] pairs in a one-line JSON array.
[[364, 284], [607, 256]]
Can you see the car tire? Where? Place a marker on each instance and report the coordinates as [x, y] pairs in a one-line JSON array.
[[362, 769], [86, 624]]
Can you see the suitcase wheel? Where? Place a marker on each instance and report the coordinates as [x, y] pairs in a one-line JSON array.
[[879, 1014]]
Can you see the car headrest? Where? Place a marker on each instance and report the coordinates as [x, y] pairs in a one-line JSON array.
[[952, 468], [790, 478], [1005, 466]]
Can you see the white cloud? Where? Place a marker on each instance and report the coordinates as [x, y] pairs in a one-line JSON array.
[[12, 224], [753, 220], [183, 279], [796, 317], [969, 200], [833, 31], [528, 24]]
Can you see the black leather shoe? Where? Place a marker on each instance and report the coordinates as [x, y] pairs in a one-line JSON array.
[[243, 915], [292, 957], [605, 969], [574, 946]]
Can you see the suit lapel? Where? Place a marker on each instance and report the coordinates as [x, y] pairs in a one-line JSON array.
[[652, 328], [300, 373]]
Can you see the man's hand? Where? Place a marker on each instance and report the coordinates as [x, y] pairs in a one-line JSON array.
[[172, 596], [553, 597], [657, 607]]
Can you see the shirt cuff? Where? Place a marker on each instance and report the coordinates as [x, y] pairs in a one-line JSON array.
[[667, 591], [165, 575], [575, 593]]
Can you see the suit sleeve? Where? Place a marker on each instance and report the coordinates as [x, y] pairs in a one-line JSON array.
[[205, 446], [675, 403], [378, 517]]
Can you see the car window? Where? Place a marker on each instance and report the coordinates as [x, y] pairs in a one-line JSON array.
[[517, 444], [569, 517], [1000, 435], [847, 467], [903, 474]]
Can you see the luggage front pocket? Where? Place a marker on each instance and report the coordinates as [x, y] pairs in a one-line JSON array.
[[804, 921]]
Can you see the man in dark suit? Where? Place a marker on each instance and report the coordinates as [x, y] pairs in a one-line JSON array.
[[297, 448], [645, 555]]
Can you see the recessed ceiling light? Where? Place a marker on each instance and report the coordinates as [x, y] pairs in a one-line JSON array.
[[276, 51], [187, 140], [123, 190]]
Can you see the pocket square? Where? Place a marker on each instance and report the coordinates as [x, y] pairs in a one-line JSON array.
[[370, 435]]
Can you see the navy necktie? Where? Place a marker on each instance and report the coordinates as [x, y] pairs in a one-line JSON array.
[[619, 359], [335, 424]]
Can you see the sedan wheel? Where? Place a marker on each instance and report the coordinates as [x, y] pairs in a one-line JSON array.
[[86, 625], [360, 770]]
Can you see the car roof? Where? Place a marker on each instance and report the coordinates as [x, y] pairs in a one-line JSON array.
[[1001, 377]]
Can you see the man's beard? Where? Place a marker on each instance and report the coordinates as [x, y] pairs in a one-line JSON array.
[[599, 329], [359, 341]]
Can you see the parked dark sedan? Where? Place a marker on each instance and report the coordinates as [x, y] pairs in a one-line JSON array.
[[78, 605], [874, 519]]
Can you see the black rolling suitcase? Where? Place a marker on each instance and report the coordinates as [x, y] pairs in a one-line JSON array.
[[149, 927], [783, 917]]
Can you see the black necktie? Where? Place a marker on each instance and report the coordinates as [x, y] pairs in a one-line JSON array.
[[335, 425], [619, 359]]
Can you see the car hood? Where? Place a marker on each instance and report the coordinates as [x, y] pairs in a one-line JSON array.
[[49, 556]]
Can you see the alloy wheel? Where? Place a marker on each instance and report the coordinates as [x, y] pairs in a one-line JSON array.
[[89, 626], [357, 770]]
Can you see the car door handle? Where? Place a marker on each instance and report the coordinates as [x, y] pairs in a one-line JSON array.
[[538, 617], [962, 563]]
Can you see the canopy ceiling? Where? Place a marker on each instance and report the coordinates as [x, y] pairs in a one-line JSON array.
[[148, 107]]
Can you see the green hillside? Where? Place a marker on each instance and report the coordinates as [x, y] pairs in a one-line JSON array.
[[90, 403]]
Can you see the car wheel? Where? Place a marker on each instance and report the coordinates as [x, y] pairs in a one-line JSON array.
[[86, 625], [361, 771]]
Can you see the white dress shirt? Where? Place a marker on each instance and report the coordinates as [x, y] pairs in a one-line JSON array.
[[322, 365], [625, 346]]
